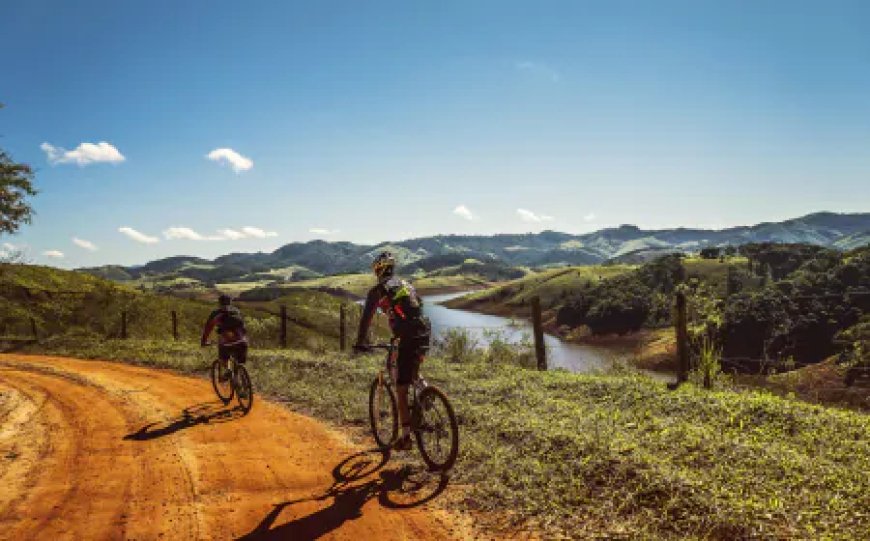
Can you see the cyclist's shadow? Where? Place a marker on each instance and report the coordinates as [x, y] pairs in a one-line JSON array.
[[198, 414], [396, 489]]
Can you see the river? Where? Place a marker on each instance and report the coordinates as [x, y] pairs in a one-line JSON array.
[[560, 354]]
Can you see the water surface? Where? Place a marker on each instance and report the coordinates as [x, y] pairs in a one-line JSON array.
[[560, 354]]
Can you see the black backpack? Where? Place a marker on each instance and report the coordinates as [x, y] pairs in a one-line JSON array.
[[232, 319]]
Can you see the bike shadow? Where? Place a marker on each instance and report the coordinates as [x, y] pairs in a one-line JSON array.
[[198, 414], [400, 488]]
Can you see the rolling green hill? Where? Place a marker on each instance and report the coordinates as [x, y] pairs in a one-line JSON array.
[[74, 303], [624, 244]]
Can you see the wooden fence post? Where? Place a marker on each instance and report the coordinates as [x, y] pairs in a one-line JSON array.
[[342, 327], [283, 326], [124, 325], [682, 331], [175, 325], [540, 351], [33, 330]]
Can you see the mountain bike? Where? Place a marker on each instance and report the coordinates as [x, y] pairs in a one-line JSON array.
[[433, 421], [229, 378]]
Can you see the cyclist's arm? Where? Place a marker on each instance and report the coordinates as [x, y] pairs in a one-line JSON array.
[[209, 326], [371, 305]]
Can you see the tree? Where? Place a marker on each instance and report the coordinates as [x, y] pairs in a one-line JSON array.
[[16, 184], [711, 252]]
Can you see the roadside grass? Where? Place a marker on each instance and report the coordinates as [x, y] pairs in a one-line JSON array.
[[596, 456]]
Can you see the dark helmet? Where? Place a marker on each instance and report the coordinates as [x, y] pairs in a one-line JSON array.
[[383, 265], [225, 300]]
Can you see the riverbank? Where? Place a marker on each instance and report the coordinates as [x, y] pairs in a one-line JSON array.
[[647, 349], [483, 330]]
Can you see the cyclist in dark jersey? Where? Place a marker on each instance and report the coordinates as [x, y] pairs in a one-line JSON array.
[[398, 299], [232, 337]]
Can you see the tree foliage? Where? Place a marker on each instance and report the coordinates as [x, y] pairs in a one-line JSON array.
[[627, 302], [799, 316], [16, 185]]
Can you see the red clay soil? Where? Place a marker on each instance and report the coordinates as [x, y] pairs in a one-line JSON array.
[[98, 450]]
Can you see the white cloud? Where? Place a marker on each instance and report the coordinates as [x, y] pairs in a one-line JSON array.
[[231, 234], [8, 246], [229, 156], [188, 234], [322, 231], [589, 217], [86, 244], [84, 154], [464, 212], [258, 233], [529, 216], [247, 232], [537, 69], [54, 254], [137, 236]]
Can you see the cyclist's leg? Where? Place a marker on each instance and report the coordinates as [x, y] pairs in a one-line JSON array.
[[224, 354], [241, 351], [406, 362]]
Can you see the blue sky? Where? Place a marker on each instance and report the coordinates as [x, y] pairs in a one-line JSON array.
[[368, 121]]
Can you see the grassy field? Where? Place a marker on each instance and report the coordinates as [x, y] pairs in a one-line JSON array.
[[714, 272], [587, 456], [66, 302], [552, 286]]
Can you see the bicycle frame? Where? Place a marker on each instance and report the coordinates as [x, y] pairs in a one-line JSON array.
[[388, 376]]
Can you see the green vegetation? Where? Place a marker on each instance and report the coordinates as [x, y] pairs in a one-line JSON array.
[[16, 185], [73, 303], [597, 456], [553, 286], [798, 312]]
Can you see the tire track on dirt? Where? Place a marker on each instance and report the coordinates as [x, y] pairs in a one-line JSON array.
[[113, 451]]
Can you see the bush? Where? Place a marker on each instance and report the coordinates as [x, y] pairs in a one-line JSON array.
[[457, 345]]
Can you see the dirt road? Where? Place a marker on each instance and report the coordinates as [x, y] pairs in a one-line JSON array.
[[97, 450]]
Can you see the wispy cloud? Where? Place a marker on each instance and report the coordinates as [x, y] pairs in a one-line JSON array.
[[54, 254], [531, 217], [187, 233], [84, 154], [257, 233], [228, 156], [231, 234], [464, 212], [86, 244], [137, 236], [322, 231], [537, 69], [247, 232], [589, 217]]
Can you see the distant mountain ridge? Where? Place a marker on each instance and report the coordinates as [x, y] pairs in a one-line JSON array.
[[307, 259]]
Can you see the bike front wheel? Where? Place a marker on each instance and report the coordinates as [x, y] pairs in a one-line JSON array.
[[220, 380], [244, 389], [383, 413], [437, 430]]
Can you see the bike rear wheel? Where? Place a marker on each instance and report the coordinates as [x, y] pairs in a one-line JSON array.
[[437, 430], [383, 413], [220, 380], [244, 389]]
